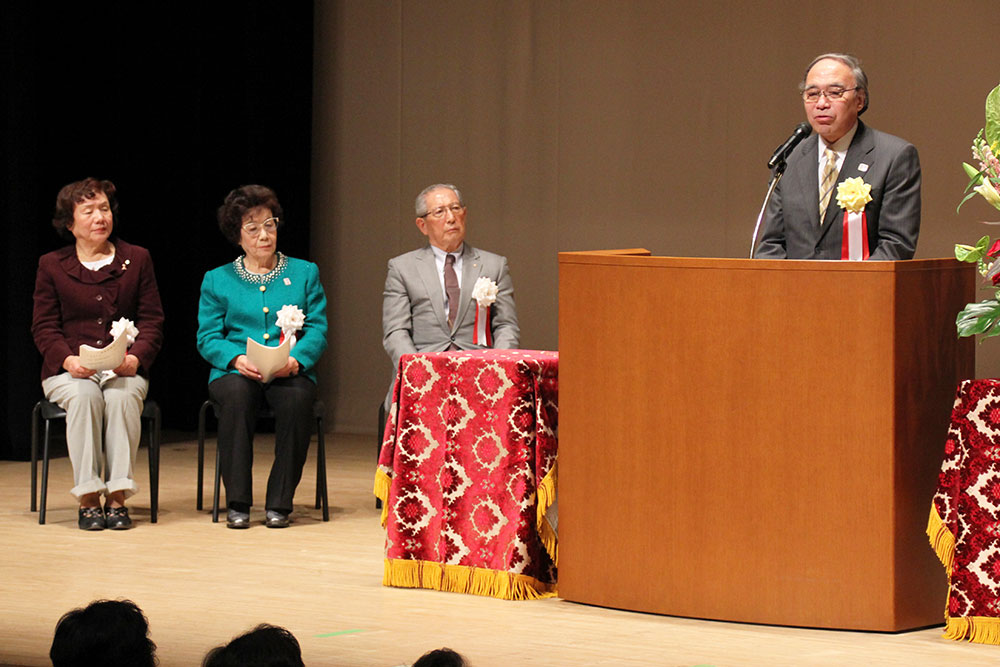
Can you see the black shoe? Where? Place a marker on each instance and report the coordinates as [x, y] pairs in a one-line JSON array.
[[276, 519], [235, 519], [91, 518], [117, 518]]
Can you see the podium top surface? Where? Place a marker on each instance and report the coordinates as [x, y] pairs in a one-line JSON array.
[[642, 257]]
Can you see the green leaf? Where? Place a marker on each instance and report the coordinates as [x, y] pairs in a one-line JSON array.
[[962, 252], [976, 179], [967, 253], [993, 330], [993, 116], [972, 172], [972, 326], [979, 318], [965, 199]]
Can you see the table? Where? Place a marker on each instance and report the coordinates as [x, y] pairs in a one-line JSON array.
[[964, 524], [467, 473]]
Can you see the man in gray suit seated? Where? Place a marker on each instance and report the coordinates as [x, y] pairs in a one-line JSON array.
[[804, 220], [427, 305]]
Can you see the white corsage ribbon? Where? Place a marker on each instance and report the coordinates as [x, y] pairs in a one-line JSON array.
[[854, 247], [290, 321], [124, 327], [485, 294]]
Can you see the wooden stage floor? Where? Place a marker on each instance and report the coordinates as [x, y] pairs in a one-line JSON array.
[[200, 584]]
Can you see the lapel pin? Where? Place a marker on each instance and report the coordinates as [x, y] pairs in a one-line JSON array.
[[287, 281], [862, 167]]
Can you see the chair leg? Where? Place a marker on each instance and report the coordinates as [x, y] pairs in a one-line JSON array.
[[321, 470], [35, 416], [154, 466], [201, 452], [319, 464], [45, 476], [218, 480]]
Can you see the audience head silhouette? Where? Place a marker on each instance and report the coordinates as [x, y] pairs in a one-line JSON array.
[[105, 632], [264, 646], [442, 657]]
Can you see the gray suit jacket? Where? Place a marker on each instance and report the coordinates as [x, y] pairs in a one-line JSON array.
[[791, 226], [413, 315]]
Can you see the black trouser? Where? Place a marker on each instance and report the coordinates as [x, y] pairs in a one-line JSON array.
[[239, 399]]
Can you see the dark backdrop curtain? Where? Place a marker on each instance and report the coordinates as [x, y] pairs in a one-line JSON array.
[[176, 104]]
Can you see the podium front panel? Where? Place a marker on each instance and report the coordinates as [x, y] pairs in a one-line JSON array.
[[755, 440]]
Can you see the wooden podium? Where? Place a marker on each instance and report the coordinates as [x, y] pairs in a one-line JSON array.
[[756, 440]]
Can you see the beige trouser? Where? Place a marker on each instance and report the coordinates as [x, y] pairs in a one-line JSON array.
[[100, 409]]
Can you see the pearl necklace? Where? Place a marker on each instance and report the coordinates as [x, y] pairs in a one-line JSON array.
[[260, 278]]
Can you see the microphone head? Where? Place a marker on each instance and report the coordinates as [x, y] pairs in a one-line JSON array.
[[801, 131]]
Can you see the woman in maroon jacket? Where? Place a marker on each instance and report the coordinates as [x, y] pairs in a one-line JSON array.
[[80, 291]]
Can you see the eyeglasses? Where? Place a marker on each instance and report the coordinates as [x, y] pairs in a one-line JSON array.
[[441, 211], [253, 228], [833, 93]]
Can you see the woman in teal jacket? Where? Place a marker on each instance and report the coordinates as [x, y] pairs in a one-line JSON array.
[[242, 300]]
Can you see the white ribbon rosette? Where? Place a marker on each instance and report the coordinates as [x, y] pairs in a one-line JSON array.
[[106, 359], [852, 196], [290, 320], [124, 327], [485, 294]]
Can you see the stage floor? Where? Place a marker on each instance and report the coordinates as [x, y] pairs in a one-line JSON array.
[[201, 584]]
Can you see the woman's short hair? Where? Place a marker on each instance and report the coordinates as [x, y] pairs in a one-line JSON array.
[[241, 200], [105, 632], [76, 193], [264, 646]]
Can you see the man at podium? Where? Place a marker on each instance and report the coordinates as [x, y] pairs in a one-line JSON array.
[[812, 213]]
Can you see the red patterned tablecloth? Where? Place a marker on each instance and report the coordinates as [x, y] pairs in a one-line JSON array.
[[964, 525], [467, 473]]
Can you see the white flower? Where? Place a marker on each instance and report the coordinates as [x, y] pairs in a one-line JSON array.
[[290, 319], [989, 193], [124, 326], [485, 291]]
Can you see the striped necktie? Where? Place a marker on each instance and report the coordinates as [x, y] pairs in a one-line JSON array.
[[826, 184]]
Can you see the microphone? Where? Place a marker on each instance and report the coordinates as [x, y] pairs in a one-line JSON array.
[[802, 130]]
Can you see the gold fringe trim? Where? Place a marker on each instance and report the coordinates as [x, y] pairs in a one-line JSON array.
[[549, 540], [942, 539], [547, 496], [978, 629], [382, 484], [464, 579]]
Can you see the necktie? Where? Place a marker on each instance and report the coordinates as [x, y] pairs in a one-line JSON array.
[[451, 288], [826, 185]]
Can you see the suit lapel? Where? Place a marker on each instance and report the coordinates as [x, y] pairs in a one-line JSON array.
[[805, 180], [427, 270], [472, 268]]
